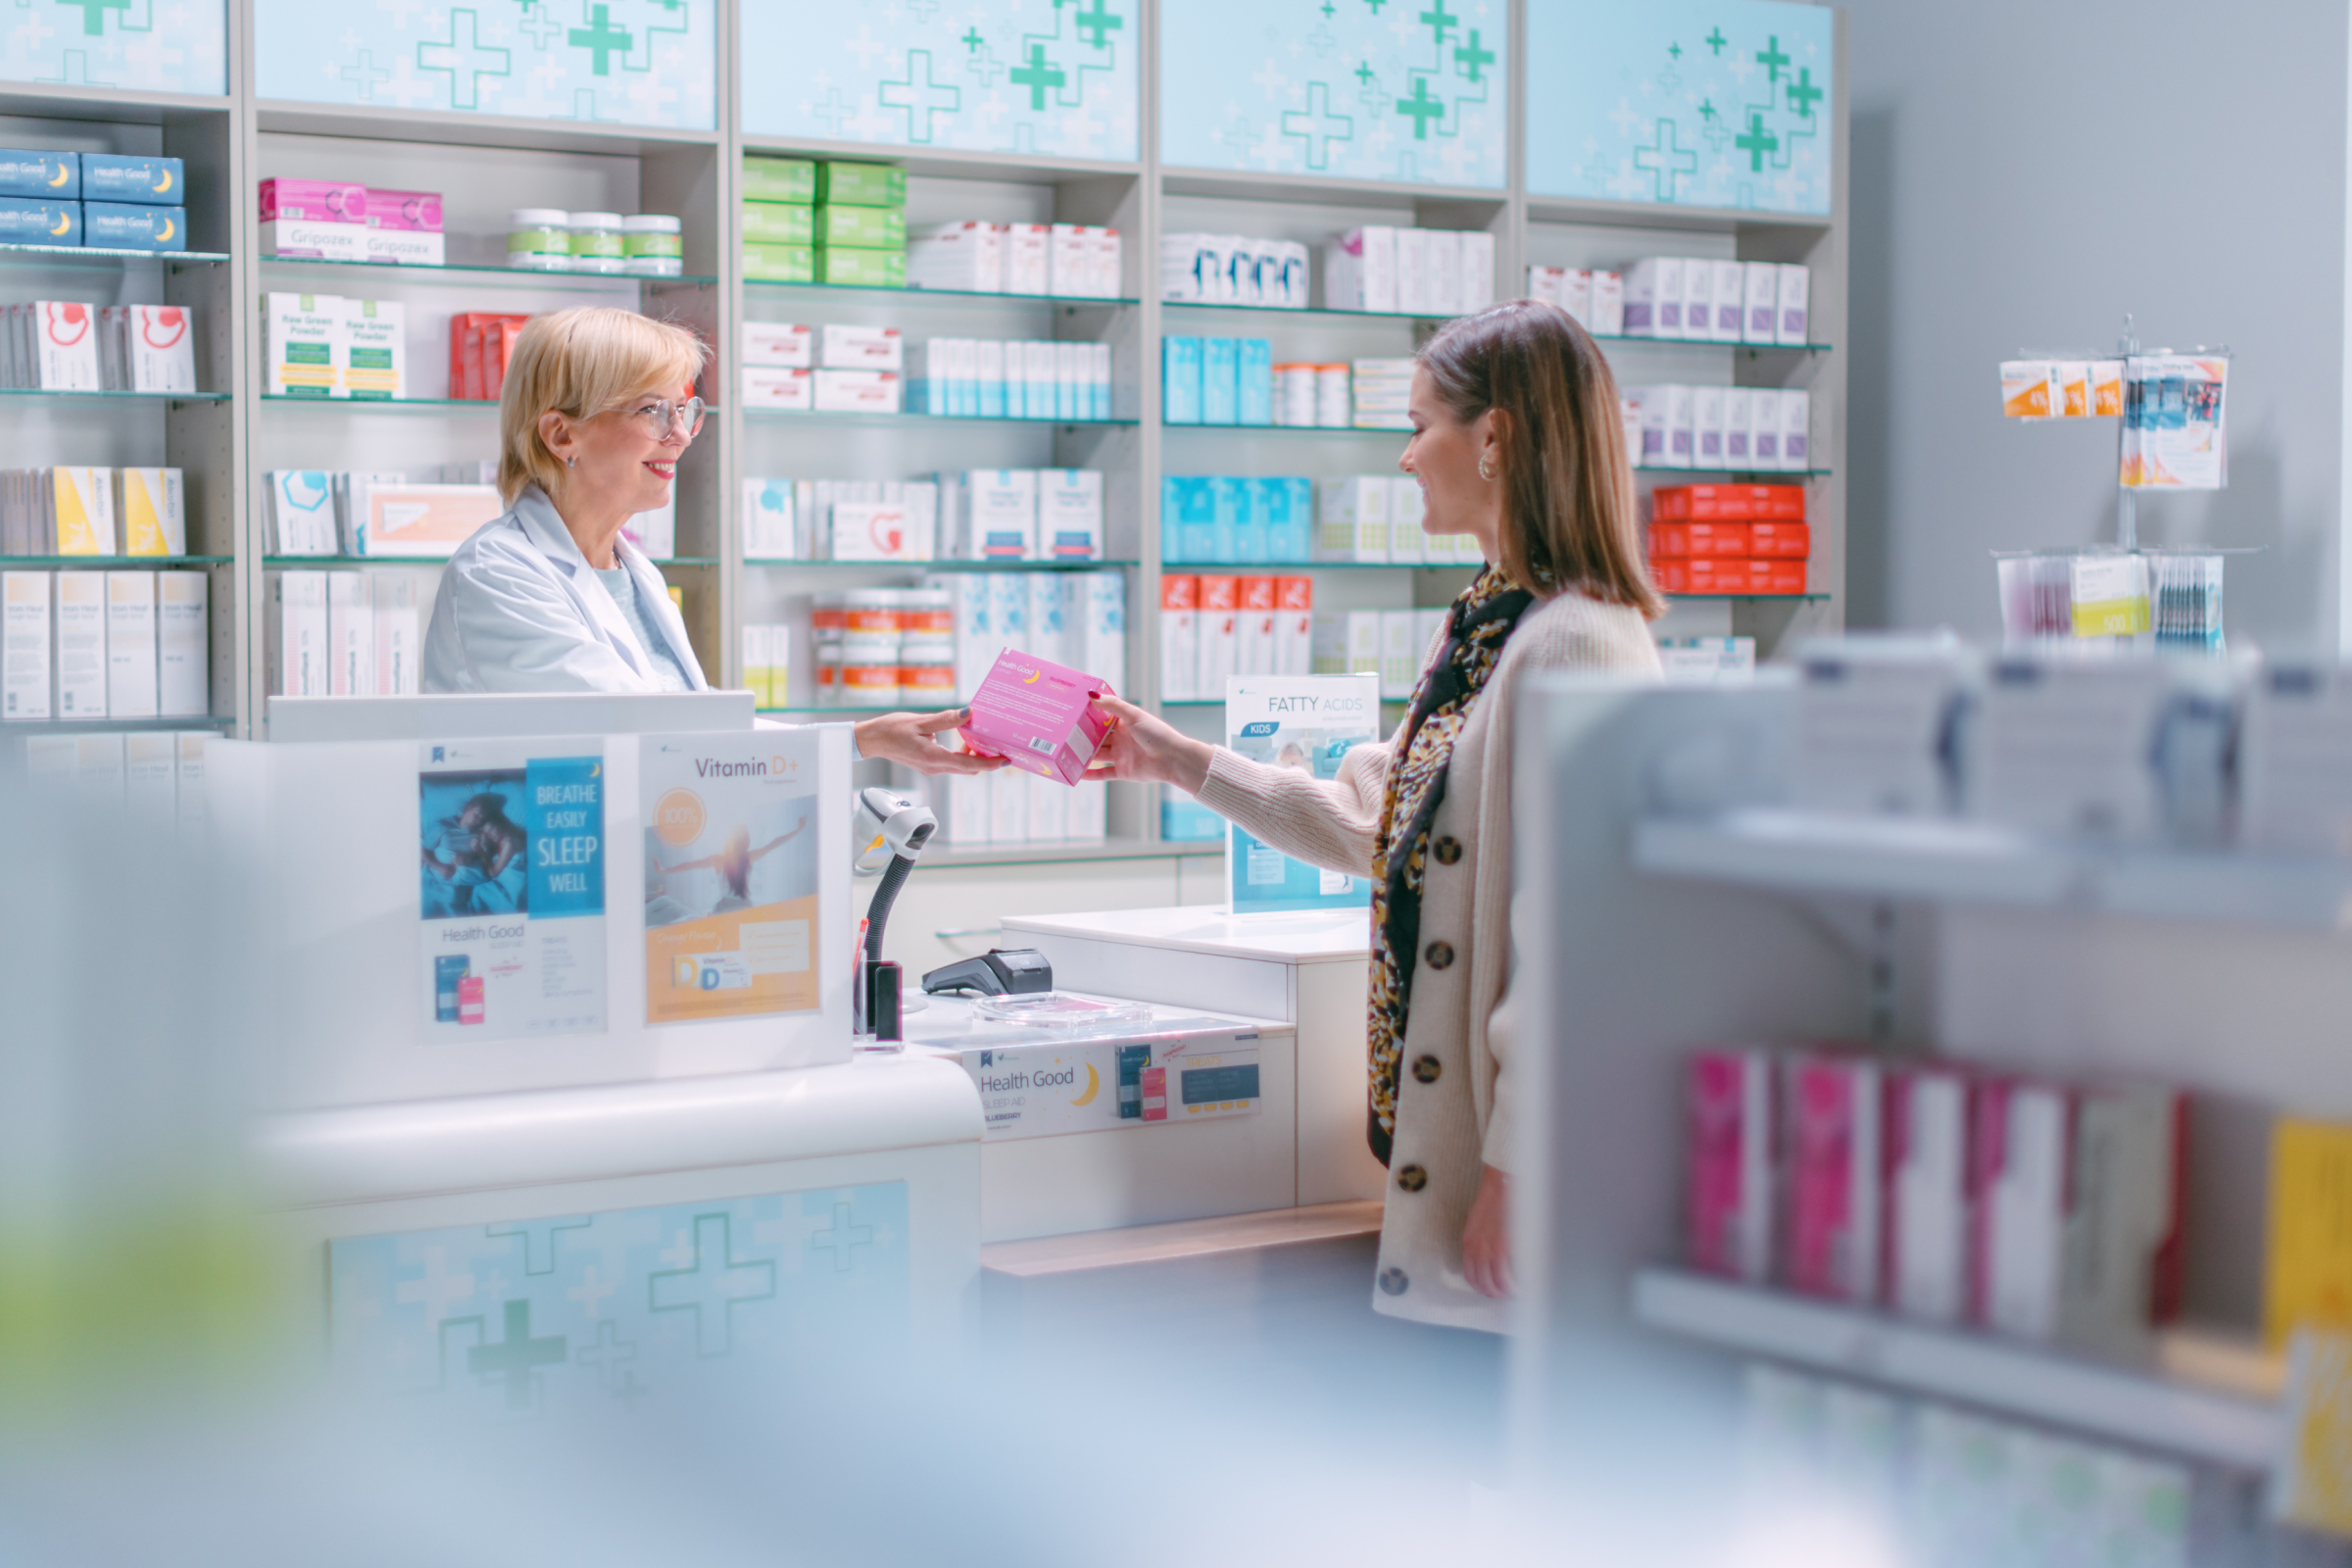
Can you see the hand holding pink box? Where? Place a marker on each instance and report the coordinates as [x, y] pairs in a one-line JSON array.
[[1036, 716]]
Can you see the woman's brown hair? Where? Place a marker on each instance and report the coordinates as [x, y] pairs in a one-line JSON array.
[[1568, 515]]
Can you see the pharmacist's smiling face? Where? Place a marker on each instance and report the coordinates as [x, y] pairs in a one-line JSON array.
[[1443, 456], [621, 460]]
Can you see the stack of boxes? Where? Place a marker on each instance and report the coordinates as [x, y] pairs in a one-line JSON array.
[[979, 378], [323, 346], [341, 221], [84, 645], [156, 776], [1233, 270], [1727, 429], [1067, 260], [1720, 302], [1375, 520], [1212, 626], [68, 345], [1007, 515], [1728, 539], [1411, 272], [93, 511], [1229, 519], [1387, 643], [93, 199], [1596, 299], [341, 633], [825, 222], [1216, 380]]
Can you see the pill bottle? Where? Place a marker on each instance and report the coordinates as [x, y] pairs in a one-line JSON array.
[[651, 245], [596, 243], [539, 237]]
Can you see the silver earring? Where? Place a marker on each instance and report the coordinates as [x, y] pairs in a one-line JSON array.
[[1485, 468], [571, 462]]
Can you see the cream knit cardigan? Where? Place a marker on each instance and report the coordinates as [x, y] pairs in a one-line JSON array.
[[1455, 1103]]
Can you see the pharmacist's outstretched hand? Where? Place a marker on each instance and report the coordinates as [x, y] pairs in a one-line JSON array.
[[1486, 1236], [907, 738], [1149, 750]]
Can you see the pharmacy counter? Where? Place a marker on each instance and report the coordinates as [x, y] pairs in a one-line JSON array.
[[1141, 1115], [1308, 970], [580, 1244]]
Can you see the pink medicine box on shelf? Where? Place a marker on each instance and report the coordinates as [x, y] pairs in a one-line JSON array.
[[320, 201], [1036, 716], [415, 212]]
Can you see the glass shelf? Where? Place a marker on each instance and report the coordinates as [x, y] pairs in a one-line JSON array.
[[1260, 567], [149, 396], [1310, 313], [1743, 475], [783, 415], [386, 404], [346, 563], [107, 562], [475, 270], [112, 726], [955, 296], [98, 256], [1289, 429], [1794, 599], [1712, 343], [787, 562]]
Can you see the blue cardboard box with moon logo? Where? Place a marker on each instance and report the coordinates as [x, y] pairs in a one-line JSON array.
[[560, 1317], [1683, 103], [1036, 1083]]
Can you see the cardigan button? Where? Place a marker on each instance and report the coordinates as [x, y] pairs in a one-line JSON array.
[[1425, 1069], [1440, 955], [1392, 1282], [1412, 1177], [1450, 850]]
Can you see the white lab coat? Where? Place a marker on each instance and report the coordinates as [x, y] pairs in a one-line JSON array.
[[522, 610]]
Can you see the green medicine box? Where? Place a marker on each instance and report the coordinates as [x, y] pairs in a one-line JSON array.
[[860, 185], [780, 263], [774, 224], [867, 228], [779, 179], [863, 268]]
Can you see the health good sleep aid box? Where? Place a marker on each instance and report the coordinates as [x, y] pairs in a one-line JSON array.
[[1037, 716]]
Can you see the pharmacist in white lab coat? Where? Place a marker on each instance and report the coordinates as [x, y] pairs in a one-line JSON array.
[[596, 412]]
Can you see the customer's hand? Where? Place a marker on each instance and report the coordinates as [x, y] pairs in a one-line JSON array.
[[907, 738], [1148, 750], [1486, 1237]]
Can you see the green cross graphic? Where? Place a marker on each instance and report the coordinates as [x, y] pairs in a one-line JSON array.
[[608, 1352], [1364, 74], [1473, 58], [364, 75], [974, 42], [1440, 22], [1376, 5], [464, 57], [539, 25], [539, 1239], [1772, 59], [517, 1357], [1756, 142], [1802, 94], [1037, 75], [1715, 40], [93, 13], [922, 97], [1666, 160], [1707, 110], [1329, 9], [1099, 24], [1675, 49], [713, 1286], [602, 37], [1318, 125], [844, 1239], [1421, 106]]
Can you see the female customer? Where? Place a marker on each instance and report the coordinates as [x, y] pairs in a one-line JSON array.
[[596, 412], [1517, 440]]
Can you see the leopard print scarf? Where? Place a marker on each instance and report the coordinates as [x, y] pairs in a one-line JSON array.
[[1480, 622]]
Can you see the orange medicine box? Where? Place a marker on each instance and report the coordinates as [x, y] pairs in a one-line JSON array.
[[1672, 539], [1220, 594], [1781, 541], [1728, 503], [1714, 575]]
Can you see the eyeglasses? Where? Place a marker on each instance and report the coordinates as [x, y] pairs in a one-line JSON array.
[[661, 415]]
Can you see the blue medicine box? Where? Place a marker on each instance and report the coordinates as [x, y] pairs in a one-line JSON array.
[[1285, 512], [1253, 393], [54, 177], [25, 220], [1238, 537], [117, 226], [1180, 380], [1188, 520], [1219, 359], [146, 181]]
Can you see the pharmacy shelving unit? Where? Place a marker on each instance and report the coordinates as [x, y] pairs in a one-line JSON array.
[[202, 434], [1667, 855], [486, 164]]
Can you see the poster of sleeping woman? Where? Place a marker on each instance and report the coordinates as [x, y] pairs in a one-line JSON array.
[[510, 873], [730, 875]]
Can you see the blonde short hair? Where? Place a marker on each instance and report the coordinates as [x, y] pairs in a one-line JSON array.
[[581, 362]]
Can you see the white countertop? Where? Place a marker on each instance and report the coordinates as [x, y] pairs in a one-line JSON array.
[[1291, 936], [950, 1024]]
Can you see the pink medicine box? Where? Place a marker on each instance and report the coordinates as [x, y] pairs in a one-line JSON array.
[[322, 201], [415, 212], [1036, 716]]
